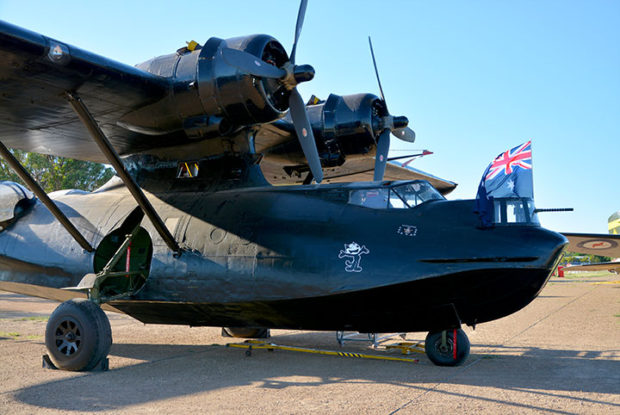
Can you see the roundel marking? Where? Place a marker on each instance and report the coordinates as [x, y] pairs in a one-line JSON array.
[[217, 235], [597, 244]]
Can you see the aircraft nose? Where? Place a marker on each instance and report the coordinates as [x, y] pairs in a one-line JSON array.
[[553, 243]]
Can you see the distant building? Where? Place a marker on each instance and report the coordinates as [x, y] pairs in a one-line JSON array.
[[614, 223]]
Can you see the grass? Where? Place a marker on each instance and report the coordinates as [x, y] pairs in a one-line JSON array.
[[34, 318], [15, 335]]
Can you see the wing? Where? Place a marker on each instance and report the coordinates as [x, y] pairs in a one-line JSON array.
[[603, 266], [361, 170], [283, 162], [355, 170], [35, 73], [594, 244]]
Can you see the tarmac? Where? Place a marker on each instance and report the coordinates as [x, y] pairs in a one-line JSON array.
[[559, 355]]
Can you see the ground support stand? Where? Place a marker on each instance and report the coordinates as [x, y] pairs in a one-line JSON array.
[[373, 338]]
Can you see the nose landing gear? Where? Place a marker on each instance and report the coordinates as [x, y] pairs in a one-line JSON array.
[[447, 347]]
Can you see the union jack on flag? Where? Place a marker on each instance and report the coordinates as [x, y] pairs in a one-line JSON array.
[[509, 175], [520, 156]]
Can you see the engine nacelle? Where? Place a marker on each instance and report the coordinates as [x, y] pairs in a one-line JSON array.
[[343, 126], [351, 121], [209, 97]]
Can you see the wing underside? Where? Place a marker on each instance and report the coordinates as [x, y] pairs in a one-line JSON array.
[[36, 72]]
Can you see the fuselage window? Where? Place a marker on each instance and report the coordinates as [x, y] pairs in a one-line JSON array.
[[515, 211]]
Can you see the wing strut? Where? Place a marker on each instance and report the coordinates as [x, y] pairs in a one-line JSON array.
[[106, 148], [43, 197]]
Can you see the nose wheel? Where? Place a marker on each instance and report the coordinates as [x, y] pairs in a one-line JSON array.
[[78, 335], [447, 347]]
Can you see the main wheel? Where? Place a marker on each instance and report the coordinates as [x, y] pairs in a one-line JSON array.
[[451, 350], [78, 335], [246, 332]]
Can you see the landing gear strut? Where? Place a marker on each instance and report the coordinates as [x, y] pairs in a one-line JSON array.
[[447, 347], [78, 335]]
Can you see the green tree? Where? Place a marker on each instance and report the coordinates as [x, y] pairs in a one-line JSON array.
[[56, 173], [574, 257]]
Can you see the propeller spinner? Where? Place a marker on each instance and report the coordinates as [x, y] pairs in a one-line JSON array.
[[289, 75], [387, 124]]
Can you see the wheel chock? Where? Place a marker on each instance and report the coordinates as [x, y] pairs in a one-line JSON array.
[[103, 366], [47, 363]]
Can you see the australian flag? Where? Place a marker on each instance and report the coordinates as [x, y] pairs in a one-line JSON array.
[[509, 175]]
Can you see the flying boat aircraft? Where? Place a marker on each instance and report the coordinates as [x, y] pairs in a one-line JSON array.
[[193, 232]]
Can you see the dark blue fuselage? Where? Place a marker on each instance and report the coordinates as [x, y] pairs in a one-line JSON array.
[[294, 257]]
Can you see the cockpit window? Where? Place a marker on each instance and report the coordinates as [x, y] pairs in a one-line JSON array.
[[413, 194], [370, 198], [403, 196]]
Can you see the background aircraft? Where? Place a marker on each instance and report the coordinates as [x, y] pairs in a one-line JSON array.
[[597, 244]]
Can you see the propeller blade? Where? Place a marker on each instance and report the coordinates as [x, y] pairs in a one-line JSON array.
[[304, 134], [251, 64], [405, 134], [300, 22], [383, 146], [374, 62]]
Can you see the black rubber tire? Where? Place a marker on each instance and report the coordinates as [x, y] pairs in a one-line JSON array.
[[446, 357], [78, 335], [246, 332]]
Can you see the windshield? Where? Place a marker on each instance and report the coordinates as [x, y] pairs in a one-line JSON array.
[[399, 196], [413, 194]]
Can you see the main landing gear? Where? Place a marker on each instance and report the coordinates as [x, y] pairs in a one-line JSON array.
[[78, 336], [447, 347]]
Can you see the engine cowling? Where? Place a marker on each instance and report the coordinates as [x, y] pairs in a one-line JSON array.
[[209, 97], [343, 125], [350, 121]]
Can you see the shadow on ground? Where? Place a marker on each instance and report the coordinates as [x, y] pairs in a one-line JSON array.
[[170, 371]]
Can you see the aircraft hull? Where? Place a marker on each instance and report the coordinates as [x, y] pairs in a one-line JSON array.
[[414, 306], [277, 258]]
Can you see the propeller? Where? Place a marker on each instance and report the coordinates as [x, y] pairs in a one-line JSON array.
[[383, 147], [397, 126], [289, 75]]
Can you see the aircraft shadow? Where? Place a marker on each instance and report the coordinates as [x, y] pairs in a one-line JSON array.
[[172, 371]]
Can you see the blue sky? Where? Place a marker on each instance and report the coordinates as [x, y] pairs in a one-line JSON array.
[[474, 77]]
